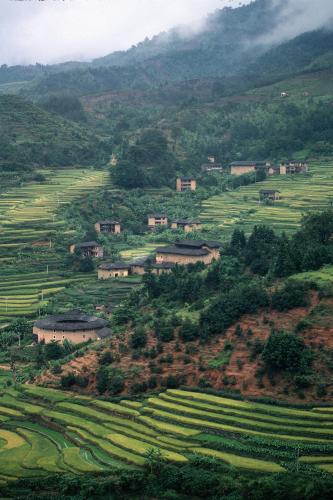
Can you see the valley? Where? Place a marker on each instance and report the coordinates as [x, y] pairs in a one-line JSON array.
[[166, 265]]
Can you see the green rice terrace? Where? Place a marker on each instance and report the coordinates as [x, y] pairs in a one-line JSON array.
[[299, 194], [29, 220], [45, 431]]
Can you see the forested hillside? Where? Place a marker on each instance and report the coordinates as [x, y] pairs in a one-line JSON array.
[[31, 137]]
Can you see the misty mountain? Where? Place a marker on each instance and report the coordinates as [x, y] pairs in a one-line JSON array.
[[231, 44]]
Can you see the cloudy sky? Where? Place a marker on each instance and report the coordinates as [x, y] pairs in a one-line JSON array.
[[50, 31]]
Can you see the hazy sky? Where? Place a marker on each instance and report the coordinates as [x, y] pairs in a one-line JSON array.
[[49, 31]]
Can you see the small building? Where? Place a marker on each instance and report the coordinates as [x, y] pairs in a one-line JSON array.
[[108, 226], [293, 167], [74, 326], [139, 266], [269, 194], [187, 225], [88, 249], [156, 220], [245, 167], [186, 184], [185, 252], [212, 167], [113, 270]]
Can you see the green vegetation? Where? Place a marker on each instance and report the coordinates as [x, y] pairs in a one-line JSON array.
[[28, 217], [179, 426], [299, 195], [33, 137]]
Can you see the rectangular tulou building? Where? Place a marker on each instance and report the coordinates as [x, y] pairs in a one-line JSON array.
[[186, 184], [189, 252], [88, 249], [187, 225], [155, 220], [108, 226]]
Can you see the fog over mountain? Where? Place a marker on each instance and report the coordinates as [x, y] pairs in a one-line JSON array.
[[55, 31], [298, 16]]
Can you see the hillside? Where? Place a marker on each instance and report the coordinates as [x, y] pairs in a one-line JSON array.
[[231, 362], [31, 136], [247, 323]]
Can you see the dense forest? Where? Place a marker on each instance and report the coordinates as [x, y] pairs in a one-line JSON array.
[[32, 137]]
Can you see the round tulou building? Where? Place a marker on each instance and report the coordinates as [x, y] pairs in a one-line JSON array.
[[74, 326]]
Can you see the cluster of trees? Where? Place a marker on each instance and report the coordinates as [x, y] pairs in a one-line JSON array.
[[199, 478], [147, 163], [267, 253]]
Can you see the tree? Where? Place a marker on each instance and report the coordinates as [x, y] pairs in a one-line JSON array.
[[189, 331], [139, 338], [292, 294], [21, 328], [53, 350], [285, 351], [238, 240], [319, 226], [284, 264]]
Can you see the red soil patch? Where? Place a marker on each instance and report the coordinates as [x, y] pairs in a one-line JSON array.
[[191, 363]]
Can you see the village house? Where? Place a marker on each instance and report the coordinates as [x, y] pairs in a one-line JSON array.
[[211, 166], [186, 184], [155, 220], [245, 167], [113, 270], [108, 226], [88, 249], [187, 225], [74, 326], [188, 252], [269, 194], [137, 267], [293, 167]]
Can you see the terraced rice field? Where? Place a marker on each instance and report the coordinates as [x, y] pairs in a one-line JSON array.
[[44, 430], [299, 194], [28, 213], [29, 218], [139, 252]]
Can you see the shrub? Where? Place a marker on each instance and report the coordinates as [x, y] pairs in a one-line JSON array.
[[68, 380], [139, 338], [139, 387], [116, 384], [189, 331], [284, 351], [53, 350], [152, 382], [106, 358], [293, 294]]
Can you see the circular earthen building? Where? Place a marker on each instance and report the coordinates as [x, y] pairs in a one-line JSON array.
[[74, 326]]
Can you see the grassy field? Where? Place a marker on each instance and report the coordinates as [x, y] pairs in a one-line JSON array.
[[43, 431], [299, 194], [31, 268]]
